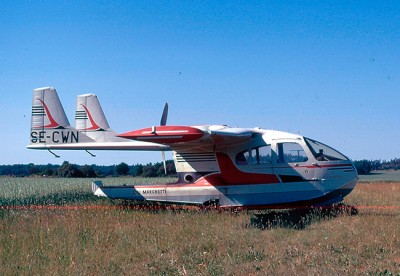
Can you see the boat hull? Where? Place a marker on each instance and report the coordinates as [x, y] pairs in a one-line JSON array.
[[253, 196]]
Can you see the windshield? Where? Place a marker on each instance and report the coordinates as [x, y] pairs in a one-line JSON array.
[[323, 152]]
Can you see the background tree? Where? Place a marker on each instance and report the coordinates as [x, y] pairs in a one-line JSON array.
[[49, 170], [363, 166], [122, 169], [149, 171], [88, 171], [69, 170], [139, 170], [32, 169]]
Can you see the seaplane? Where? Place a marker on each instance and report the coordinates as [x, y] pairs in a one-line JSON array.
[[217, 165]]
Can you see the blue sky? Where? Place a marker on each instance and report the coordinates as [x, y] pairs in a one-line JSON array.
[[329, 70]]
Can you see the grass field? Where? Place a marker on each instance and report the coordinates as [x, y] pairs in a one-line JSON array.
[[393, 176], [56, 227]]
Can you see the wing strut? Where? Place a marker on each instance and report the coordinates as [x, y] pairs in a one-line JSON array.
[[91, 154], [58, 156]]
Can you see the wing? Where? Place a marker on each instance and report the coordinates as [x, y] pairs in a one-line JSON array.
[[190, 137], [194, 147]]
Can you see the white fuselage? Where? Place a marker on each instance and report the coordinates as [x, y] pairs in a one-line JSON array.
[[273, 169]]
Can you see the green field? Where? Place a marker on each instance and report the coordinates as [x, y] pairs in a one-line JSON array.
[[57, 227], [393, 176]]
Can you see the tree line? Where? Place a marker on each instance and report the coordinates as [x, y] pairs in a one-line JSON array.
[[67, 169], [366, 166]]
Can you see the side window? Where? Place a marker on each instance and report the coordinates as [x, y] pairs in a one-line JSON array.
[[264, 155], [242, 158], [290, 152], [254, 156], [258, 155]]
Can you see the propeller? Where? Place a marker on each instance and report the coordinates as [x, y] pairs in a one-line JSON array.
[[163, 122], [164, 116]]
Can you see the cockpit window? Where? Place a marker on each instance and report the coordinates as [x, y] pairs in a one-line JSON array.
[[291, 152], [323, 152], [257, 155]]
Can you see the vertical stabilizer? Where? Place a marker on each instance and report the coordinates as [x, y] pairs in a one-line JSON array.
[[47, 111], [90, 119], [49, 126], [89, 115]]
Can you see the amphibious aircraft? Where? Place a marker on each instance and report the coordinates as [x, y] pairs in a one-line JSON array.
[[216, 164]]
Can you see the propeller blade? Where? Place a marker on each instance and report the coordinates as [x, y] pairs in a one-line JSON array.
[[164, 116], [163, 122], [165, 164]]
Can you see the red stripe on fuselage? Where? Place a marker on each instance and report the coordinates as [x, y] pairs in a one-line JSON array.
[[318, 166], [231, 175]]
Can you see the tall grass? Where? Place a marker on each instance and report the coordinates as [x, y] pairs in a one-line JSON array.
[[104, 241], [42, 191], [59, 191]]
